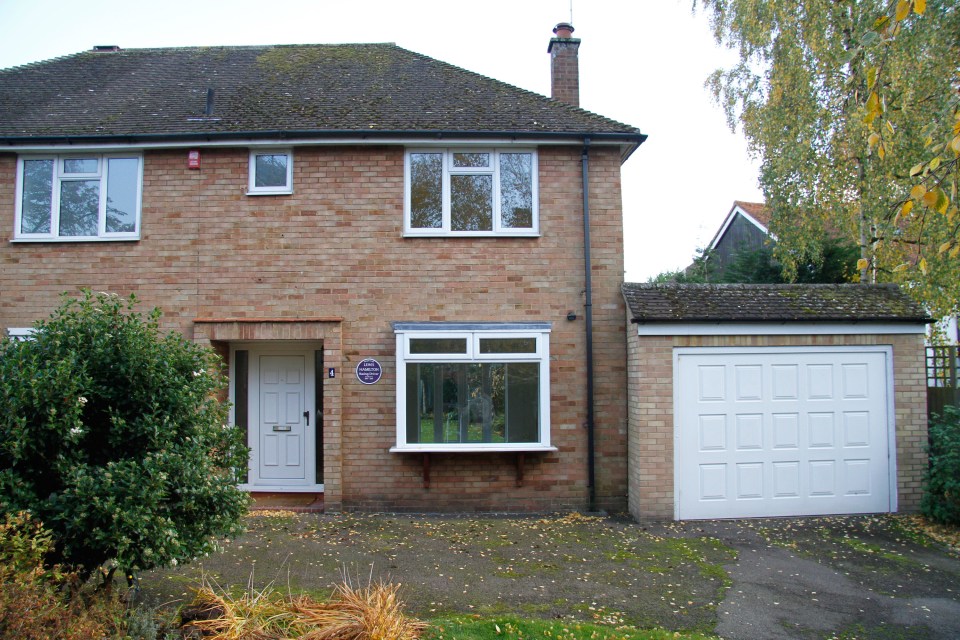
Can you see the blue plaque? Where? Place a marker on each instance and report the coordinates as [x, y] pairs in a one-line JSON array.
[[369, 371]]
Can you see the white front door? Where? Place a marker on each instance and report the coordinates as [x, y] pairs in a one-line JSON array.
[[783, 432], [282, 418]]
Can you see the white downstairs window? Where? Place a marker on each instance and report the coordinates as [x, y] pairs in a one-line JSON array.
[[78, 197], [473, 386], [471, 192]]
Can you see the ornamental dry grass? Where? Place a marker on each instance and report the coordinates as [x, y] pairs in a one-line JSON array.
[[372, 612]]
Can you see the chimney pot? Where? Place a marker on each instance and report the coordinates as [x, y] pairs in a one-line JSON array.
[[563, 30], [564, 65]]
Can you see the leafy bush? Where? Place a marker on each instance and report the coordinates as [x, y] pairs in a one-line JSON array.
[[111, 435], [24, 543], [941, 498]]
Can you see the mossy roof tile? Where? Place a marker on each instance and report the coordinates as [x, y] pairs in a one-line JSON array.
[[686, 303], [293, 88]]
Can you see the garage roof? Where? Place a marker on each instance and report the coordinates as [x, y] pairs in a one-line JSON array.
[[770, 303]]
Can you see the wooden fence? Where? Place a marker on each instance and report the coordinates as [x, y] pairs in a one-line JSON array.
[[943, 388]]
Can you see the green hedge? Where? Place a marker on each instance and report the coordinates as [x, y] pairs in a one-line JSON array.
[[941, 499]]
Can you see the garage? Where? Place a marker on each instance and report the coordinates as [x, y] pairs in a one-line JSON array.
[[783, 431], [774, 400]]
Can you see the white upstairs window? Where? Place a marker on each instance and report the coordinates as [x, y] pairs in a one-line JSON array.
[[78, 197], [471, 192], [271, 172]]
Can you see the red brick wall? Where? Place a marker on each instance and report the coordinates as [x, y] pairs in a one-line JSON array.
[[565, 70], [651, 410], [335, 249]]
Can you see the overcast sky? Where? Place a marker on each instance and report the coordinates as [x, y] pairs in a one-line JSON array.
[[642, 62]]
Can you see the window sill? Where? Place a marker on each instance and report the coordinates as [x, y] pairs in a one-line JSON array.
[[79, 239], [473, 234], [288, 192], [525, 448]]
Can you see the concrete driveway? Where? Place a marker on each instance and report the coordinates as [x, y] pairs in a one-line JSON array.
[[849, 578], [842, 577]]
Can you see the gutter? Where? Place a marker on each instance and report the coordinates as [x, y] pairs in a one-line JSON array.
[[628, 141]]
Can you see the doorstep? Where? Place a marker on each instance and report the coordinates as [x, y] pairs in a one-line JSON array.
[[311, 502]]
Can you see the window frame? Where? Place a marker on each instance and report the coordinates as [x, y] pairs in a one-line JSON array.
[[473, 332], [21, 333], [253, 189], [448, 169], [58, 176]]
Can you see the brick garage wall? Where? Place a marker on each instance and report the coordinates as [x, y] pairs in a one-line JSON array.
[[335, 249], [650, 407]]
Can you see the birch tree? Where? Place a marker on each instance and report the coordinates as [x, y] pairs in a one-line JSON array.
[[851, 108]]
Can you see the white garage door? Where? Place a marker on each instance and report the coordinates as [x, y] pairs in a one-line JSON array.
[[781, 432]]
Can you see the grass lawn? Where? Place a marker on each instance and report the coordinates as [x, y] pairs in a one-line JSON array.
[[476, 628]]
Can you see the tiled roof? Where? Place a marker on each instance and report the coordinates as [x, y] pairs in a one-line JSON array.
[[295, 89], [770, 303], [757, 210]]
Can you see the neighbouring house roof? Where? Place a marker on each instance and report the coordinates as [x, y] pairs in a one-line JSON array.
[[756, 213], [756, 210], [665, 303], [366, 90]]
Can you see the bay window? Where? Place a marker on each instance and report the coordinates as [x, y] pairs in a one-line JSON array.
[[473, 386]]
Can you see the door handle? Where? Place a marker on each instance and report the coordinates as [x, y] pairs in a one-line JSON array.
[[306, 414]]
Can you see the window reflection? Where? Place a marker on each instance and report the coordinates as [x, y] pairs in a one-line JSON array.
[[473, 403], [79, 207], [471, 203], [426, 190], [271, 170], [516, 190], [122, 194], [37, 196]]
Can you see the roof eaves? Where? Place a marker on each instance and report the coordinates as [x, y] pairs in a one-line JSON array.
[[629, 141], [781, 319], [627, 150]]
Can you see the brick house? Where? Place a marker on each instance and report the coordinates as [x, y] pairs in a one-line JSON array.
[[387, 251]]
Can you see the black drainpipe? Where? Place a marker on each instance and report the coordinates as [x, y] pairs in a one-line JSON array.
[[588, 313]]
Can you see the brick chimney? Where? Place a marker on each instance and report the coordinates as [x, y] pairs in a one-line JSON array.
[[564, 66]]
